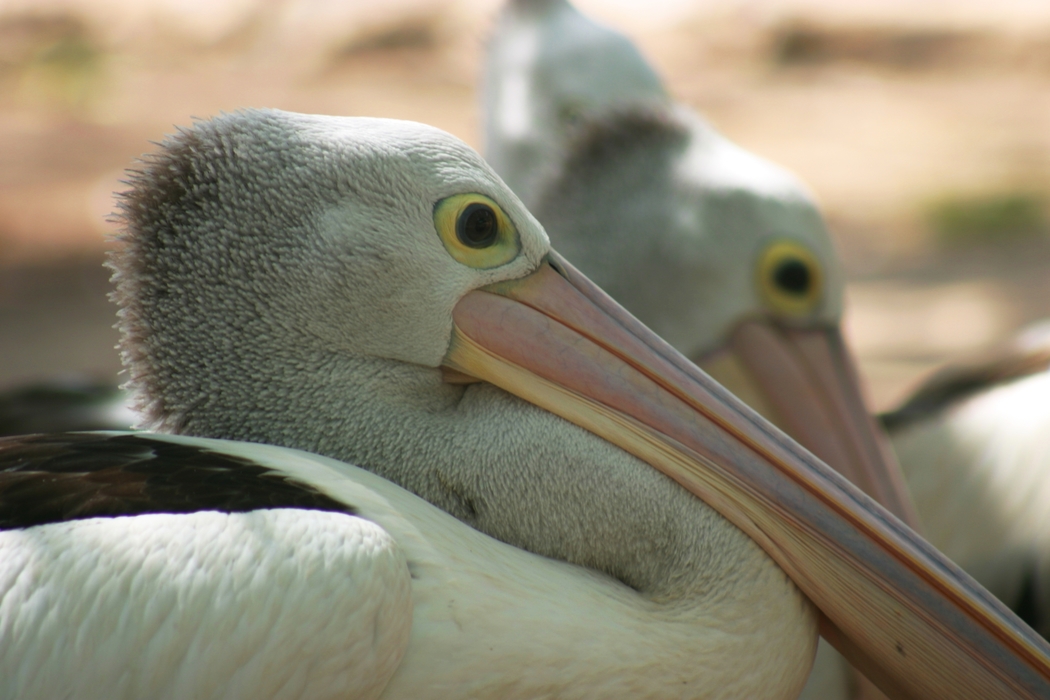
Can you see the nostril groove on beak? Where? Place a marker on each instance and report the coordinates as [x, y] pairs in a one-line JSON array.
[[557, 268]]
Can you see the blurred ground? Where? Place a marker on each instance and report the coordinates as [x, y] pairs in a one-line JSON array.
[[924, 132]]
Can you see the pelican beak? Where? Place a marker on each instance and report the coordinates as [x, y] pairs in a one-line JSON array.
[[803, 380], [912, 621]]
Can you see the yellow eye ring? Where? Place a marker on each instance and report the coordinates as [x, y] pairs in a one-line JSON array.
[[790, 278], [475, 231]]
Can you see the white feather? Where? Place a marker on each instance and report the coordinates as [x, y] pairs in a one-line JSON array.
[[401, 601]]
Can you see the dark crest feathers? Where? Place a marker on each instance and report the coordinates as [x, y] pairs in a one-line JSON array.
[[598, 141]]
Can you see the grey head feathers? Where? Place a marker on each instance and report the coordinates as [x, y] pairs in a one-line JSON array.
[[281, 281]]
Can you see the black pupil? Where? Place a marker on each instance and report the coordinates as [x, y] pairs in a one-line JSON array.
[[792, 276], [477, 226]]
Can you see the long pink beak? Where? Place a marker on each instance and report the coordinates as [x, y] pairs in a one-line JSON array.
[[895, 607], [803, 380]]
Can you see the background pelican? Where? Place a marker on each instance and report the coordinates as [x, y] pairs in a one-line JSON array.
[[60, 405], [308, 281], [680, 242], [974, 442], [722, 253]]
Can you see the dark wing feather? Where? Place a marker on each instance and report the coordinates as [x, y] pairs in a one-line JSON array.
[[58, 406], [70, 476], [959, 381]]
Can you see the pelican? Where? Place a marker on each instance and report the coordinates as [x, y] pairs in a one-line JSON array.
[[548, 499], [74, 403], [974, 442], [722, 253]]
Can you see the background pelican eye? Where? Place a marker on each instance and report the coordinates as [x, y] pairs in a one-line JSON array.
[[790, 278], [475, 231]]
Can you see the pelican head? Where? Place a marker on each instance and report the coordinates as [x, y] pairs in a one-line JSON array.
[[292, 279], [369, 290], [720, 252]]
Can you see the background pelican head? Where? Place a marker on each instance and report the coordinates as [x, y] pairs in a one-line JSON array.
[[722, 253]]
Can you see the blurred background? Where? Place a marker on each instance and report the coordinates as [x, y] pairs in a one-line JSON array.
[[922, 128]]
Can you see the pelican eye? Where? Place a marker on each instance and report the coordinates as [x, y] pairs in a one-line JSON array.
[[475, 231], [477, 226], [790, 278]]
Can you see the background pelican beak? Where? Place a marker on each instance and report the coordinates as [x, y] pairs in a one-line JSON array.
[[895, 607], [804, 381]]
